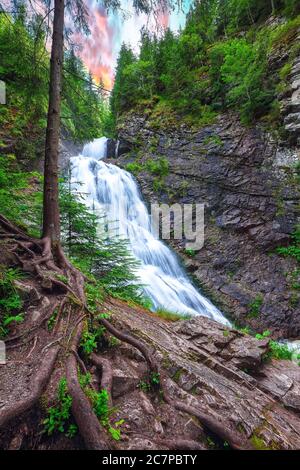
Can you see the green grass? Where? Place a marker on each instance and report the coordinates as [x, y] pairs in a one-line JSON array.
[[172, 316], [158, 167]]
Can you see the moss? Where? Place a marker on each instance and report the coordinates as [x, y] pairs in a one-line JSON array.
[[177, 375], [285, 71], [258, 443], [172, 316]]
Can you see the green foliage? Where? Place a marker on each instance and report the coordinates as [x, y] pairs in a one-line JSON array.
[[292, 250], [20, 199], [254, 307], [24, 67], [89, 340], [59, 416], [51, 321], [263, 335], [134, 168], [171, 316], [155, 378], [218, 61], [241, 72], [10, 301], [280, 351], [100, 402], [158, 167], [101, 407], [144, 386], [191, 253]]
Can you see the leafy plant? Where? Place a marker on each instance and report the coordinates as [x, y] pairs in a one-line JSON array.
[[263, 335], [144, 386], [89, 340], [100, 402], [191, 253], [158, 167], [11, 302], [134, 168], [292, 250], [280, 351], [254, 307], [155, 378], [59, 416]]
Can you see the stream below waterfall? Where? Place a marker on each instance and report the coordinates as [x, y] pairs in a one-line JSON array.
[[113, 192]]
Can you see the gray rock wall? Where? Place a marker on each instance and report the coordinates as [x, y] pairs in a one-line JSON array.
[[250, 188]]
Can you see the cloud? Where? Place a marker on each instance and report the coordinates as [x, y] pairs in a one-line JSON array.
[[97, 48], [100, 49]]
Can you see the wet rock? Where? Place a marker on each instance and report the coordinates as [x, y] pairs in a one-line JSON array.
[[111, 148]]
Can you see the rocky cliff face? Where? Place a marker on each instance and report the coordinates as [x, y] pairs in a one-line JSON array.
[[248, 183], [290, 100]]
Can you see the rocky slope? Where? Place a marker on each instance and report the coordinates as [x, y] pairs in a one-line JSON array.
[[247, 180], [220, 373]]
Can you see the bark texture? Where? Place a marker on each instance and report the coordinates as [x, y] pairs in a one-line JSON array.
[[51, 221]]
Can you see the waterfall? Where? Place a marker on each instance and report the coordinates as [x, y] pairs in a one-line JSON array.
[[113, 191], [117, 148]]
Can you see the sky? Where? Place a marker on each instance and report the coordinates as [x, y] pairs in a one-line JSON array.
[[99, 50]]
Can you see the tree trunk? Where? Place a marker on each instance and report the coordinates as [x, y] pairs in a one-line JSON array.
[[51, 221], [273, 6]]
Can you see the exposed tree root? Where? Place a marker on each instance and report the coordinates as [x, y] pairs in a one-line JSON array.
[[152, 364], [106, 373], [88, 424], [179, 444], [219, 428], [40, 258]]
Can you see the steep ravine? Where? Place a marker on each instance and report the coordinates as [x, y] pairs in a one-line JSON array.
[[248, 183]]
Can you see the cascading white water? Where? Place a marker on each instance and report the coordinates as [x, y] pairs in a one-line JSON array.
[[113, 191]]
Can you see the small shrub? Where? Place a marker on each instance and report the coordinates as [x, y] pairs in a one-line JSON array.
[[144, 386], [134, 168], [10, 301], [263, 335], [102, 411], [158, 167], [293, 250], [59, 415], [191, 253], [89, 340], [158, 185], [254, 307], [155, 378]]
